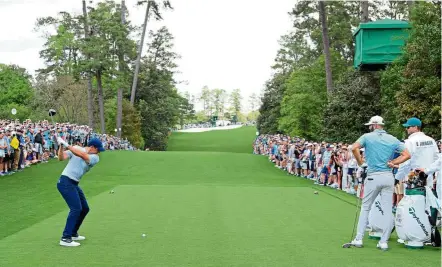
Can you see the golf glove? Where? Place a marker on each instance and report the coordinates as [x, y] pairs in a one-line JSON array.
[[62, 142]]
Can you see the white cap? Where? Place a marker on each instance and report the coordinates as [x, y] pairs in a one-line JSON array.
[[376, 120]]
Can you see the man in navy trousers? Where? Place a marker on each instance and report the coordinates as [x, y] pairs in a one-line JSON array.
[[81, 160]]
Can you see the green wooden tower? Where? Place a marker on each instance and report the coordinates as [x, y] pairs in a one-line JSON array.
[[379, 43]]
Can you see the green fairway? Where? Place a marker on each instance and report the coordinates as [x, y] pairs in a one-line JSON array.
[[206, 207], [238, 140]]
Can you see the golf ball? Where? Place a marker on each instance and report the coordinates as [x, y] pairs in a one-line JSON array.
[[143, 235], [316, 192], [112, 191]]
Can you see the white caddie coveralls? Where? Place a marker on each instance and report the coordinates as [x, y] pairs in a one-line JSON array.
[[423, 151], [436, 167]]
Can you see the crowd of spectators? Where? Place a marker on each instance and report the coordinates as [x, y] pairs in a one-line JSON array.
[[210, 125], [23, 144], [197, 125], [327, 164]]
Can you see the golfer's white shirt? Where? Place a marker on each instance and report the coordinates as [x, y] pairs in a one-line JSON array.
[[423, 151]]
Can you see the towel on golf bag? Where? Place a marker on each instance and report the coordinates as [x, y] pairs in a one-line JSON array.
[[411, 221], [376, 218], [431, 200]]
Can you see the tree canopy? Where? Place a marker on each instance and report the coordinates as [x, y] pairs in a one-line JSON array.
[[89, 57], [294, 99]]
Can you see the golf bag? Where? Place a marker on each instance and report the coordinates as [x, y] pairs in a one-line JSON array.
[[412, 222], [377, 221]]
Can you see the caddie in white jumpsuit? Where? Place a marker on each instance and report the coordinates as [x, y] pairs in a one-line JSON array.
[[423, 150], [436, 167], [380, 148]]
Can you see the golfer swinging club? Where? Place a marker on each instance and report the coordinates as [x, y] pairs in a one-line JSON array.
[[81, 160], [379, 149]]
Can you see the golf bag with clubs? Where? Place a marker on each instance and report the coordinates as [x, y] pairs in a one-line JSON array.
[[377, 221], [413, 221]]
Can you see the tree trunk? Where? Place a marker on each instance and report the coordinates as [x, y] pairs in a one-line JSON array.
[[101, 101], [326, 42], [140, 50], [364, 7], [121, 69], [90, 101], [119, 111], [410, 6]]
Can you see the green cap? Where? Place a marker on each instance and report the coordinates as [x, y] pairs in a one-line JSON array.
[[412, 122]]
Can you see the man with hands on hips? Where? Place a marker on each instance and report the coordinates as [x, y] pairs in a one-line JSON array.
[[380, 147]]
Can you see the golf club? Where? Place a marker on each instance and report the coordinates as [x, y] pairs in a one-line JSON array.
[[358, 205], [347, 245]]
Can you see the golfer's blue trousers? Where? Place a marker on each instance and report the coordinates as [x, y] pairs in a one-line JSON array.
[[74, 197]]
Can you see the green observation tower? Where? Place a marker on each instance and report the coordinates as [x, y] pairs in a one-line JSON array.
[[379, 43]]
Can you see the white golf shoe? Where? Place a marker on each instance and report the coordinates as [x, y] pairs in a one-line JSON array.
[[78, 238], [357, 243], [382, 246], [68, 243], [400, 241]]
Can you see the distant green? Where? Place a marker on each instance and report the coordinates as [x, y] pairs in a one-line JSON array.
[[237, 140]]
